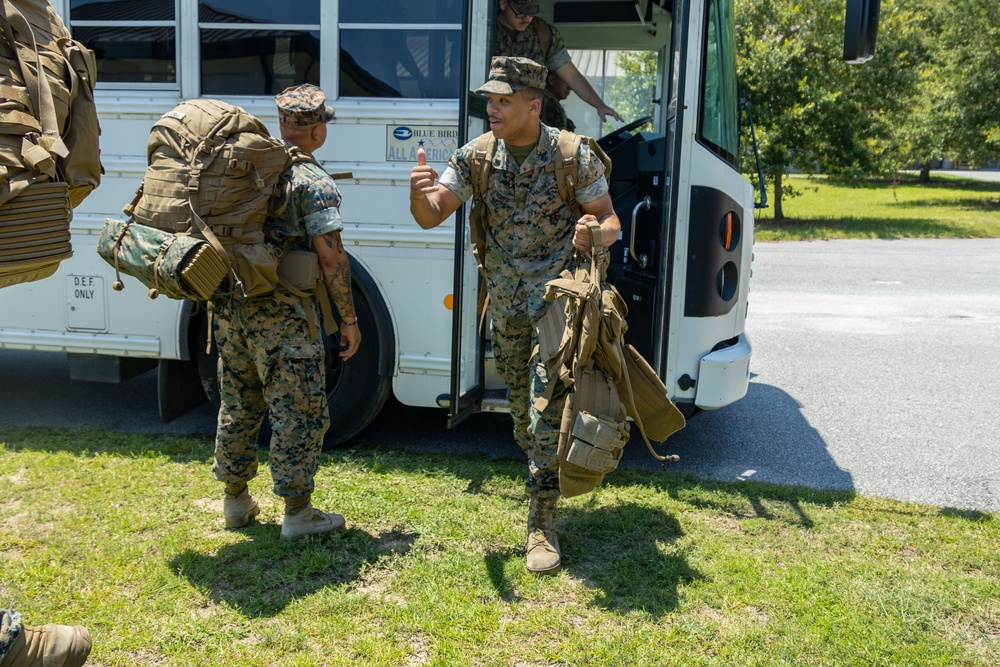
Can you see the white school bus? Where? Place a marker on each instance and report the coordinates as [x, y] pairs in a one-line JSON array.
[[399, 73]]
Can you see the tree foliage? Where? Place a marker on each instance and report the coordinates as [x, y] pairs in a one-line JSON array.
[[813, 112], [969, 61], [632, 93]]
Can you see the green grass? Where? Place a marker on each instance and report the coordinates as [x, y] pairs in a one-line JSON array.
[[122, 533], [948, 206]]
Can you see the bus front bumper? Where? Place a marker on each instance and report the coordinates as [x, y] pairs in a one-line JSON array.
[[724, 375]]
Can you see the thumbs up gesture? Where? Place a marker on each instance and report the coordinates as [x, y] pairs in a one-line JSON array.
[[423, 178]]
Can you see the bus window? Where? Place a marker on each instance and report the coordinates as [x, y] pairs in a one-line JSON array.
[[246, 51], [135, 42], [400, 48], [626, 80], [717, 127]]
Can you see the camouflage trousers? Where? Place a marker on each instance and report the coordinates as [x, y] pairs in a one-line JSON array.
[[268, 361], [10, 627], [536, 433]]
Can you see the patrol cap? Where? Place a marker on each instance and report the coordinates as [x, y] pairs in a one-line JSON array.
[[509, 75], [529, 7], [303, 105]]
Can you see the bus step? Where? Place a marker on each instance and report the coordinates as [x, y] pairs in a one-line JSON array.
[[495, 400]]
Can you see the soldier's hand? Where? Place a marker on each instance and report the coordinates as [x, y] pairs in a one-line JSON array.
[[423, 178], [350, 340], [605, 111], [582, 240]]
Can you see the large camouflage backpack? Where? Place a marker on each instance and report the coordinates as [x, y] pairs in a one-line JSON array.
[[214, 176], [49, 154], [581, 342]]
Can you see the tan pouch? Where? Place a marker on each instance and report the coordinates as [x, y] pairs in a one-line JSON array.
[[300, 269], [597, 443], [256, 264]]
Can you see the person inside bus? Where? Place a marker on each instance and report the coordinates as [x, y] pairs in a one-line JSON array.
[[30, 646], [531, 237], [553, 112], [269, 359], [523, 34]]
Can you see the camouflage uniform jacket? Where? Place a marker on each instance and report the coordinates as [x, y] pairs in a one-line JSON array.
[[314, 208], [525, 44], [529, 229]]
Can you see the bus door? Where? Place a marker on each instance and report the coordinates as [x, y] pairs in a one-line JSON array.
[[682, 264], [467, 383], [701, 350]]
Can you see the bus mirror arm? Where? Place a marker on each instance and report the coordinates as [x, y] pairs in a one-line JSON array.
[[745, 103], [642, 260]]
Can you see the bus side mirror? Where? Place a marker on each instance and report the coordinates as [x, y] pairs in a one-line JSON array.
[[860, 29]]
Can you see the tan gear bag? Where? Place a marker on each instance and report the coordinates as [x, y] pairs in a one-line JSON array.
[[581, 344], [49, 154]]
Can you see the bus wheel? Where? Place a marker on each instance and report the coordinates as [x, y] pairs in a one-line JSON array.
[[356, 390]]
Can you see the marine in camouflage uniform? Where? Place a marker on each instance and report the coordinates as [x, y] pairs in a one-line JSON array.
[[526, 43], [529, 232], [269, 356], [522, 33], [531, 237]]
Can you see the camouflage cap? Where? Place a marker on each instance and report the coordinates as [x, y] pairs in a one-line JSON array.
[[303, 105], [508, 75], [529, 7]]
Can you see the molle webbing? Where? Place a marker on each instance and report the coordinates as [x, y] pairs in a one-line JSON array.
[[215, 173]]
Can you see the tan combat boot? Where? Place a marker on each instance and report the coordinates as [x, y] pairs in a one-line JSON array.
[[543, 545], [49, 646], [239, 506], [301, 518]]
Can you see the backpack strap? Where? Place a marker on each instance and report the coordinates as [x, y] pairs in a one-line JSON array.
[[566, 165], [483, 153], [567, 168], [482, 165], [544, 32]]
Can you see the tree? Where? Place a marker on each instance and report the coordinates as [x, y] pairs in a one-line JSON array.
[[813, 112], [970, 64]]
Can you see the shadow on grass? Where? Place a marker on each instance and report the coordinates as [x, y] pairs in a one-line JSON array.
[[259, 576], [627, 553], [969, 515], [968, 203], [630, 553]]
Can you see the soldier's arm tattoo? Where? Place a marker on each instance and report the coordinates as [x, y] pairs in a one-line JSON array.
[[337, 273]]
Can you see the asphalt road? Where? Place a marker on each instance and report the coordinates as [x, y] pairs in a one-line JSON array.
[[876, 369]]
